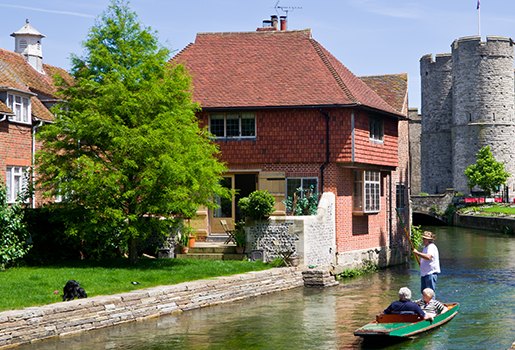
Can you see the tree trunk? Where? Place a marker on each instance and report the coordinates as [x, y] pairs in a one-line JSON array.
[[133, 250]]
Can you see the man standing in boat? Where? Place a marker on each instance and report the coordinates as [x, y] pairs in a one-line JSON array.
[[429, 262]]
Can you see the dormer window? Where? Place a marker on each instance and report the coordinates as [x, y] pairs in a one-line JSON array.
[[21, 108]]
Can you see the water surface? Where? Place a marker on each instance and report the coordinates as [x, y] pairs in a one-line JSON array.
[[478, 271]]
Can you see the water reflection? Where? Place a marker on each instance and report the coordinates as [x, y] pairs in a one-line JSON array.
[[477, 270]]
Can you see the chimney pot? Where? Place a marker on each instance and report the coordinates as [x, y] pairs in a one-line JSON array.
[[283, 23], [275, 23]]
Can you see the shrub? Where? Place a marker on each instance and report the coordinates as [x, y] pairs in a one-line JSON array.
[[368, 267], [416, 236], [13, 231], [303, 202], [259, 204]]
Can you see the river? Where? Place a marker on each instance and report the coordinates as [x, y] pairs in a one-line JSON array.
[[478, 271]]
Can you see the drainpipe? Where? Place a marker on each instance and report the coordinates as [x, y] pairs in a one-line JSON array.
[[390, 210], [326, 150], [33, 156], [4, 118]]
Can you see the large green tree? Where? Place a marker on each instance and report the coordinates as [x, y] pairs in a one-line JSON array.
[[126, 146], [487, 173]]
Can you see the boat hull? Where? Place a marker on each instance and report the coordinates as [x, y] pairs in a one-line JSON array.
[[405, 328]]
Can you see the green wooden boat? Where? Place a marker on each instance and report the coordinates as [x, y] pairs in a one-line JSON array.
[[405, 325]]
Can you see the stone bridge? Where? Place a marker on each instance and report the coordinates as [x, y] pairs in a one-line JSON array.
[[430, 209]]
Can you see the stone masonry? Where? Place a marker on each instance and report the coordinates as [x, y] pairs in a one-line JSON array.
[[468, 102], [66, 318]]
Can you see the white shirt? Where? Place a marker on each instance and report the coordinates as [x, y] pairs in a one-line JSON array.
[[430, 266]]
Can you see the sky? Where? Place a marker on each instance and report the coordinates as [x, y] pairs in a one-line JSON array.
[[370, 37]]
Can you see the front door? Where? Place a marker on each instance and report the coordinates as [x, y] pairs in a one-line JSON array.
[[228, 209]]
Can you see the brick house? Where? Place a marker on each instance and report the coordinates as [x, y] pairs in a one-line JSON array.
[[26, 95], [288, 114]]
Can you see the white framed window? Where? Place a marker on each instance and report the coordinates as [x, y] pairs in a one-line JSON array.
[[293, 183], [376, 129], [233, 125], [366, 196], [399, 195], [16, 181], [21, 107]]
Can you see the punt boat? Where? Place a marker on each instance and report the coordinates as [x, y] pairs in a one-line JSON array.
[[404, 326]]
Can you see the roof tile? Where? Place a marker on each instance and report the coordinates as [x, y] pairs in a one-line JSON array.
[[271, 69]]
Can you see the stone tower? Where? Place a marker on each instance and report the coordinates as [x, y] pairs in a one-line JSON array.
[[27, 42], [468, 102]]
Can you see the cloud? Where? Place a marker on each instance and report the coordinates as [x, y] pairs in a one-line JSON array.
[[50, 11]]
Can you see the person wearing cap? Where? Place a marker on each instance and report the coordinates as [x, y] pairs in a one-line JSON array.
[[429, 262], [404, 306]]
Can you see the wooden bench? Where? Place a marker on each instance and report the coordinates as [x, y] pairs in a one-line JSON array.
[[382, 318]]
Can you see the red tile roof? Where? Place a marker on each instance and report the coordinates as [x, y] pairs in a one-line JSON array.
[[17, 73], [271, 69], [393, 88]]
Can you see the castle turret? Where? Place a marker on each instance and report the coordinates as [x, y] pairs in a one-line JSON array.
[[435, 140], [483, 103], [28, 43]]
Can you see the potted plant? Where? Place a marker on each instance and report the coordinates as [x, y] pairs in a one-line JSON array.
[[184, 240], [192, 234], [239, 236]]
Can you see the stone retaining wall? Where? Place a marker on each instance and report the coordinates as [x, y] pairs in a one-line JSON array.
[[36, 323], [491, 223]]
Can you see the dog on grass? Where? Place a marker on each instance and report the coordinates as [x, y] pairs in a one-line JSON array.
[[72, 289]]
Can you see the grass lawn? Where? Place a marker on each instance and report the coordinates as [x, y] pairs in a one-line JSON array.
[[506, 209], [34, 286]]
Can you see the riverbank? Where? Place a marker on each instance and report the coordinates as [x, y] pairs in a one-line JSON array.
[[66, 318]]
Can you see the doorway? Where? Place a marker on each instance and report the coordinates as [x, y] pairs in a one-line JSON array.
[[228, 210]]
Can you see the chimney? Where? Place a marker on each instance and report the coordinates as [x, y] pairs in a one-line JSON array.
[[283, 23], [275, 23]]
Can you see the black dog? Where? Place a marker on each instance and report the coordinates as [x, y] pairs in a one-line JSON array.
[[72, 289]]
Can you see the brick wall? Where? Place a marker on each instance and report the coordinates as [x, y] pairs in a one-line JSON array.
[[16, 149], [299, 136]]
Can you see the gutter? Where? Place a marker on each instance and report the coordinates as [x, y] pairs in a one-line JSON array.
[[327, 153]]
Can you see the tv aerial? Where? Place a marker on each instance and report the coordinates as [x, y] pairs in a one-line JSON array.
[[285, 9]]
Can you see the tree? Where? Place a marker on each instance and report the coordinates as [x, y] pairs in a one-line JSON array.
[[13, 233], [126, 146], [487, 173]]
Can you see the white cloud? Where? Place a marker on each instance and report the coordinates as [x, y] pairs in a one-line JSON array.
[[50, 11]]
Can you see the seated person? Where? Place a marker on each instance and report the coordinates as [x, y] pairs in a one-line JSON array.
[[430, 305], [406, 307]]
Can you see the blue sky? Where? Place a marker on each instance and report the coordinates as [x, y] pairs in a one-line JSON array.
[[368, 36]]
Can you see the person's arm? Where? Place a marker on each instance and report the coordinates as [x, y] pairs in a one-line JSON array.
[[428, 255], [422, 255]]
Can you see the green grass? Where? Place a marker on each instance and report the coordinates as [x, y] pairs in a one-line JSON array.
[[492, 209], [34, 286]]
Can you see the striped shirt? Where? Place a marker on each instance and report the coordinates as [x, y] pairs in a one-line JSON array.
[[433, 307]]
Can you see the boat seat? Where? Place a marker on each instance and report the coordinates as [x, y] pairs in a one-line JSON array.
[[382, 318]]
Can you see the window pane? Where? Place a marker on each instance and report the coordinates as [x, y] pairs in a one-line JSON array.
[[225, 209], [233, 125], [291, 186], [25, 108], [248, 124], [8, 184], [307, 183], [217, 125]]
